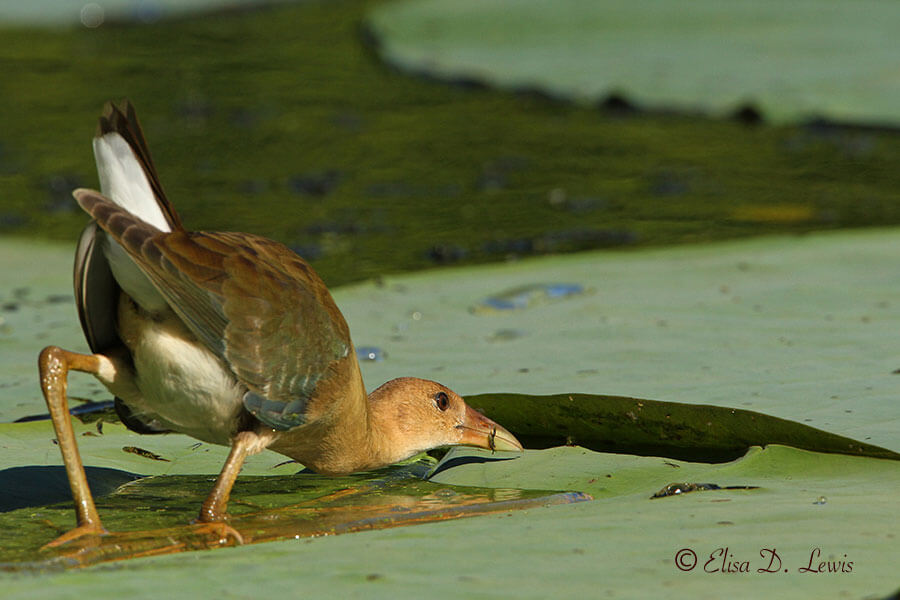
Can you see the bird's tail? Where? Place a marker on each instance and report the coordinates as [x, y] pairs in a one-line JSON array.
[[127, 174], [129, 182]]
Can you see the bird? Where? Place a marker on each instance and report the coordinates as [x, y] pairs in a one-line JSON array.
[[230, 338]]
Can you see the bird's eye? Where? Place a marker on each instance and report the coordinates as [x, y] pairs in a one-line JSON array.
[[443, 401]]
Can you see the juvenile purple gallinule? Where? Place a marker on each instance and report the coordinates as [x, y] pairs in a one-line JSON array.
[[229, 338]]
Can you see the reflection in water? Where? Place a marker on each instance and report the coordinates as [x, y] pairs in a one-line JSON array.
[[277, 508]]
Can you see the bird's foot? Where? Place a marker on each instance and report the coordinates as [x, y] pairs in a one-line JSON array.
[[221, 530], [88, 533]]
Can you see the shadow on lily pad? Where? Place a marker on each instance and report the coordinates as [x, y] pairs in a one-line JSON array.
[[39, 486]]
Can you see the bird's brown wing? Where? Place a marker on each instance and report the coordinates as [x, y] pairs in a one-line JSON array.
[[250, 300], [95, 292]]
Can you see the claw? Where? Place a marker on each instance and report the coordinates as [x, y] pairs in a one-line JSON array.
[[220, 529], [85, 532]]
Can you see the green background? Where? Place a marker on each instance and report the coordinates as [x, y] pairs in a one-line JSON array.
[[284, 121]]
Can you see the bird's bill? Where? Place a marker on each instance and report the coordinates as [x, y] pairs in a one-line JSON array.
[[481, 432]]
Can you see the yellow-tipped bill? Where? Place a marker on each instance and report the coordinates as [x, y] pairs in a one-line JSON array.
[[481, 432]]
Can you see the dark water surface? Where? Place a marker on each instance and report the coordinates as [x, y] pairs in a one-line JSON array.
[[281, 122]]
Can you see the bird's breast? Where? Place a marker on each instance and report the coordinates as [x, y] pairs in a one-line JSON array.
[[181, 383]]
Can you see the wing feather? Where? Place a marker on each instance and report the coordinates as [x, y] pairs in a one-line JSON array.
[[252, 301]]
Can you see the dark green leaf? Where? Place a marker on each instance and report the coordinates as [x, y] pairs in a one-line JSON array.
[[696, 432]]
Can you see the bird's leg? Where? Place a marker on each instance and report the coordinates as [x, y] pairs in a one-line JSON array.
[[54, 364], [213, 508], [212, 513]]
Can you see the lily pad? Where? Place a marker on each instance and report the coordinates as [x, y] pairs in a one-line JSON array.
[[831, 58], [803, 501], [150, 516], [654, 428], [800, 329]]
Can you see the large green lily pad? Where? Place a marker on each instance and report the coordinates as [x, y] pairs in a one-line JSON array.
[[800, 328], [796, 328], [804, 500], [833, 58]]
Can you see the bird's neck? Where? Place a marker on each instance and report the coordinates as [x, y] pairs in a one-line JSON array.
[[344, 434], [367, 433]]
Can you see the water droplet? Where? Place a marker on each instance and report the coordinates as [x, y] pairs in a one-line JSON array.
[[92, 15], [370, 353], [529, 295]]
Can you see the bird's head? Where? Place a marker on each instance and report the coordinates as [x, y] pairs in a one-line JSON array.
[[414, 415]]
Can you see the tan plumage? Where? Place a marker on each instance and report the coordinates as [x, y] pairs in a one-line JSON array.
[[228, 337]]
